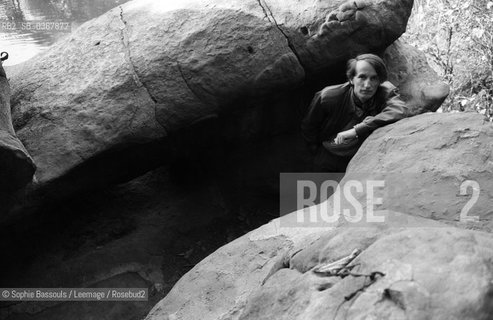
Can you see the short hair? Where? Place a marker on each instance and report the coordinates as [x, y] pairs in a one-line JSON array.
[[375, 61]]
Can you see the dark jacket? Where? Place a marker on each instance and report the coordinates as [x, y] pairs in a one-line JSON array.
[[335, 107]]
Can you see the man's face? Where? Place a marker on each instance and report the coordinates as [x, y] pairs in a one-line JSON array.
[[365, 81]]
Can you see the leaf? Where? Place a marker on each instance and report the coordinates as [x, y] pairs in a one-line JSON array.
[[489, 5], [477, 32]]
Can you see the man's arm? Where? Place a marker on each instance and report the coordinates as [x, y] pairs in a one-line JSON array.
[[394, 110], [345, 135], [312, 123]]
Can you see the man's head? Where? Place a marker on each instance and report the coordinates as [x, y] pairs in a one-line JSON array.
[[365, 73]]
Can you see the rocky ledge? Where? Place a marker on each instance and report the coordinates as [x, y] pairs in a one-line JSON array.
[[427, 259]]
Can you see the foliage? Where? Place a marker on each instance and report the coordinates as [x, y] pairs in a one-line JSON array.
[[457, 38]]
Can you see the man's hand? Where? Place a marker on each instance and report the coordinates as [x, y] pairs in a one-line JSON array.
[[345, 135]]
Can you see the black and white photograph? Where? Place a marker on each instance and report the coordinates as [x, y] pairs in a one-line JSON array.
[[246, 159]]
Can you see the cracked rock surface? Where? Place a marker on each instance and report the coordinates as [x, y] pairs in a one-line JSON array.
[[429, 273], [144, 71]]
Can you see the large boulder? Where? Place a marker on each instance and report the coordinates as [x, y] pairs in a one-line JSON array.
[[435, 165], [427, 268], [413, 265], [126, 83], [16, 166], [251, 279], [220, 285]]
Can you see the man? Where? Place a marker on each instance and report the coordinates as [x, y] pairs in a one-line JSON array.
[[341, 117]]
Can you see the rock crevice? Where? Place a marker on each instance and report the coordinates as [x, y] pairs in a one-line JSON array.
[[269, 15], [135, 75]]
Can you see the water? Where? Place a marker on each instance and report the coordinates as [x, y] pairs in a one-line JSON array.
[[27, 27]]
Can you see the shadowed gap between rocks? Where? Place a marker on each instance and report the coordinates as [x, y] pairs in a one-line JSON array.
[[133, 223], [250, 123], [251, 157], [243, 151]]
